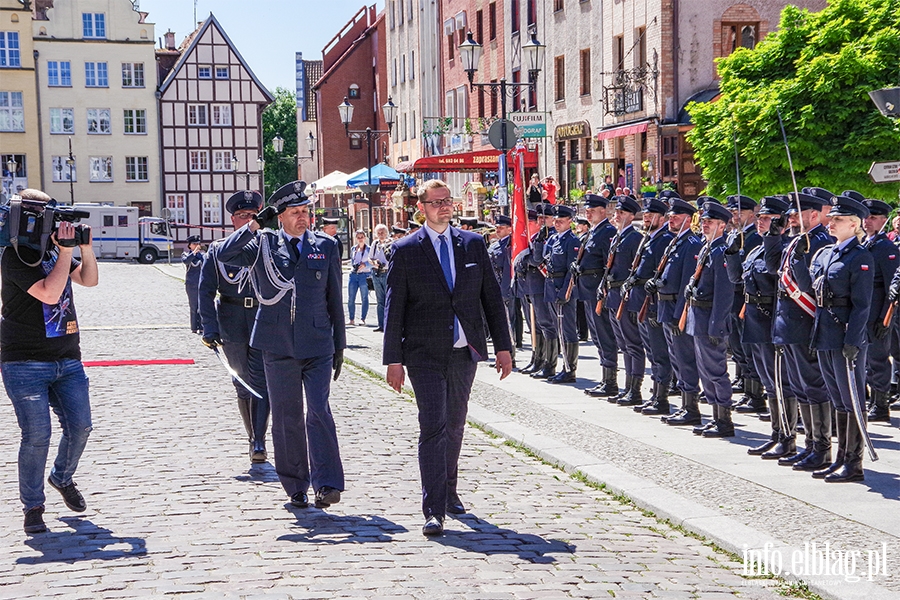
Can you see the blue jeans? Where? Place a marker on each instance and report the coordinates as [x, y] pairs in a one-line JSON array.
[[34, 388], [358, 283], [380, 282]]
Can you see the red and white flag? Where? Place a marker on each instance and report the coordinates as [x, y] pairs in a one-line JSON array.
[[518, 212]]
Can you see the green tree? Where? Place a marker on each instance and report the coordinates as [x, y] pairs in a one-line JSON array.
[[816, 69], [280, 118]]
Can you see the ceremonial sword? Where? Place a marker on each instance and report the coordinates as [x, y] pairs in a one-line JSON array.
[[234, 374], [857, 409]]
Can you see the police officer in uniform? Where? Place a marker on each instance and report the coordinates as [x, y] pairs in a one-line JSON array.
[[628, 336], [590, 271], [884, 255], [710, 295], [543, 311], [744, 237], [192, 258], [525, 283], [842, 276], [652, 335], [228, 323], [559, 254], [671, 303], [500, 254], [300, 330]]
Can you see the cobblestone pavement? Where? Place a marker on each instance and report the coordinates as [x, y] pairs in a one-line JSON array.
[[174, 509]]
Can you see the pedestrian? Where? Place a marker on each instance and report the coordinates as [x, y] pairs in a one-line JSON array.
[[710, 295], [550, 189], [894, 233], [40, 359], [441, 291], [559, 254], [535, 191], [360, 270], [843, 275], [228, 323], [299, 328], [192, 259], [379, 257]]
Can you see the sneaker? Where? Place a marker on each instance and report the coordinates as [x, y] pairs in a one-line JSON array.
[[34, 520], [326, 496], [362, 323], [71, 496]]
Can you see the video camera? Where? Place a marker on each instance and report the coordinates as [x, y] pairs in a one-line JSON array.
[[30, 223]]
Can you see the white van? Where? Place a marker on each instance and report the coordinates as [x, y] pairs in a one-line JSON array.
[[119, 233]]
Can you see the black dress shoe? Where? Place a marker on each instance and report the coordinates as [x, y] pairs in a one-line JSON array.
[[34, 520], [379, 329], [433, 526], [326, 496], [258, 453], [300, 500], [455, 505], [71, 496]]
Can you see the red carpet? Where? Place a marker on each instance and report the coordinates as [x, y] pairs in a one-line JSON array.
[[129, 363]]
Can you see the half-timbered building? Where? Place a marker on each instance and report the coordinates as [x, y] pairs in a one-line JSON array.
[[210, 111]]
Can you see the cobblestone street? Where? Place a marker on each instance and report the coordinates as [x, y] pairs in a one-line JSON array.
[[173, 507]]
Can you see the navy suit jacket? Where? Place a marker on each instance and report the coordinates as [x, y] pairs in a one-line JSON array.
[[317, 326], [419, 306]]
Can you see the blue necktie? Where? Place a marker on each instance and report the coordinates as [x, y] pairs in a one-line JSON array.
[[448, 275]]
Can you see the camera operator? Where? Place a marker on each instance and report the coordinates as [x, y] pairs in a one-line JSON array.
[[40, 361]]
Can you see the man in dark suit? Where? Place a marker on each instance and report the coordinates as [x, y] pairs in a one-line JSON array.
[[440, 283], [299, 327]]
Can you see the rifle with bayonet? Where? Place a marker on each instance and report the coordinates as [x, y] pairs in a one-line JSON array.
[[689, 290]]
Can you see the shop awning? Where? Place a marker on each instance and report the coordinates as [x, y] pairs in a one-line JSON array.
[[464, 162], [623, 130]]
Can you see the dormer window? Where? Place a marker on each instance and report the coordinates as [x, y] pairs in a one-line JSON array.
[[353, 92]]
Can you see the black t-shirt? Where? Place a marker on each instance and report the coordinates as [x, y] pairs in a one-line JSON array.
[[30, 329]]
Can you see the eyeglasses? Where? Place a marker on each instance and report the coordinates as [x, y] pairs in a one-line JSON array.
[[439, 203]]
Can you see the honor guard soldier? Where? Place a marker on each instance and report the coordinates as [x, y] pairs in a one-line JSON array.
[[559, 254], [521, 273], [192, 258], [468, 223], [299, 328], [330, 227], [500, 254], [884, 254], [710, 295], [628, 337], [842, 277], [590, 270], [795, 309], [228, 323], [543, 311], [656, 240], [397, 232], [748, 271], [669, 286], [744, 237], [412, 226]]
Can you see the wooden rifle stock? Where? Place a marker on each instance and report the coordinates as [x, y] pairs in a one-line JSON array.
[[660, 268], [626, 294], [684, 311], [577, 262], [889, 315], [609, 263]]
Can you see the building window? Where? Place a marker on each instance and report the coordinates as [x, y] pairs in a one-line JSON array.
[[479, 26], [559, 71], [204, 72], [517, 96], [409, 12], [222, 73], [403, 130], [393, 14], [62, 120], [481, 102], [586, 72], [403, 69], [197, 114], [176, 206], [93, 25], [739, 35], [59, 73], [9, 49], [451, 46], [98, 122], [573, 149], [394, 72], [212, 209], [669, 157], [558, 5], [12, 114], [641, 58], [101, 169], [199, 160], [221, 115], [353, 91], [492, 21], [136, 168], [619, 52], [135, 121], [132, 75], [493, 99], [356, 141], [61, 171], [222, 160], [514, 16], [96, 74], [412, 126], [532, 12], [412, 65]]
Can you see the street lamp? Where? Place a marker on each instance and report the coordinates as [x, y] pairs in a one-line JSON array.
[[70, 161], [11, 169], [260, 165], [277, 144], [389, 110]]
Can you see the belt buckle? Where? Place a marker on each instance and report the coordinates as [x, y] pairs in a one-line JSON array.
[[248, 302], [794, 294]]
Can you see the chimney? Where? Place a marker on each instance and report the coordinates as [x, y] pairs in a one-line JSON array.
[[170, 40]]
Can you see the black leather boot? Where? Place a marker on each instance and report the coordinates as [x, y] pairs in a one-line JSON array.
[[775, 410], [701, 427], [821, 433], [568, 376], [633, 396], [537, 355], [551, 356], [649, 401], [756, 401], [806, 416], [674, 390], [724, 426], [880, 411], [852, 469], [659, 402], [840, 419], [608, 387], [690, 413], [623, 391]]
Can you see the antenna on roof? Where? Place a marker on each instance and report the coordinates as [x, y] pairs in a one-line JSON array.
[[195, 13]]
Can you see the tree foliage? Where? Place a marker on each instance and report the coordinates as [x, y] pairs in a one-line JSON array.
[[817, 70], [280, 118]]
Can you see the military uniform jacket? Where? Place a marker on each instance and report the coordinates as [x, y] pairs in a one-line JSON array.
[[228, 320], [674, 278], [653, 251], [760, 286], [713, 287], [192, 263], [500, 253], [316, 327], [792, 324], [593, 261], [629, 241], [884, 254], [534, 281], [843, 278], [560, 252], [752, 240]]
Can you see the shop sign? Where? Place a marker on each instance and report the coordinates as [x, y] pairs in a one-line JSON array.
[[530, 124], [571, 131]]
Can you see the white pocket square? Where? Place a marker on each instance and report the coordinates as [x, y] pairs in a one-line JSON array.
[[470, 265]]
